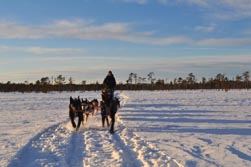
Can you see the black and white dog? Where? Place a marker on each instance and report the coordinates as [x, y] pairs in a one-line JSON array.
[[95, 104], [87, 108], [75, 110]]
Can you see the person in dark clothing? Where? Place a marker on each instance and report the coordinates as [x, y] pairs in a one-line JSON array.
[[109, 81], [109, 84], [108, 107]]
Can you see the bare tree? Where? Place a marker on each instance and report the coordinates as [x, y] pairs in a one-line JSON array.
[[45, 81], [246, 76], [238, 78], [129, 81], [180, 79], [204, 80], [150, 77], [71, 80], [135, 76], [83, 82], [140, 79], [60, 80], [246, 79], [191, 78], [38, 82], [220, 77]]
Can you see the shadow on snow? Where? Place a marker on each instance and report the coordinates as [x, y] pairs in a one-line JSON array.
[[30, 155]]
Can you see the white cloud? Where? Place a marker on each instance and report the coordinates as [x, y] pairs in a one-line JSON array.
[[15, 30], [237, 4], [247, 32], [221, 9], [167, 2], [84, 30], [207, 28], [225, 41], [58, 59], [162, 1], [136, 1], [197, 2], [156, 41], [88, 30], [41, 50]]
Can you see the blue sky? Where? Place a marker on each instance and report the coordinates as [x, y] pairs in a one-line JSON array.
[[83, 39]]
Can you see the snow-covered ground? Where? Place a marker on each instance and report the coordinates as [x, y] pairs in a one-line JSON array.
[[153, 128]]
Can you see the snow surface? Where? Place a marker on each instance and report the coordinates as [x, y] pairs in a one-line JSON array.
[[153, 128]]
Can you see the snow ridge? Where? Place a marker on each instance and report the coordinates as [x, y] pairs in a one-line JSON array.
[[45, 149]]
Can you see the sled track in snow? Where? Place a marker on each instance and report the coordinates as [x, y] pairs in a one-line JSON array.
[[92, 145], [56, 147], [45, 148], [75, 151]]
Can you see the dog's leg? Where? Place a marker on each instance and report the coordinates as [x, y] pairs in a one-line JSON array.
[[80, 119], [107, 121], [112, 123], [93, 112], [87, 115], [72, 116], [103, 121], [112, 115], [83, 121]]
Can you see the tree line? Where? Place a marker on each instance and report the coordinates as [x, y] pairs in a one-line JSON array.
[[134, 82]]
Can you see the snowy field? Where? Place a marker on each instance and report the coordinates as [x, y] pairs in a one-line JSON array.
[[153, 128]]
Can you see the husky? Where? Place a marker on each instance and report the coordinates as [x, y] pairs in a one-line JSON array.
[[75, 110]]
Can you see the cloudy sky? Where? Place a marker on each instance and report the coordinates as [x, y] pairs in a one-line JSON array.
[[83, 39]]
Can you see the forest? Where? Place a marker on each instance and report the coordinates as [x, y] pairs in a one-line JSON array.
[[134, 82]]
